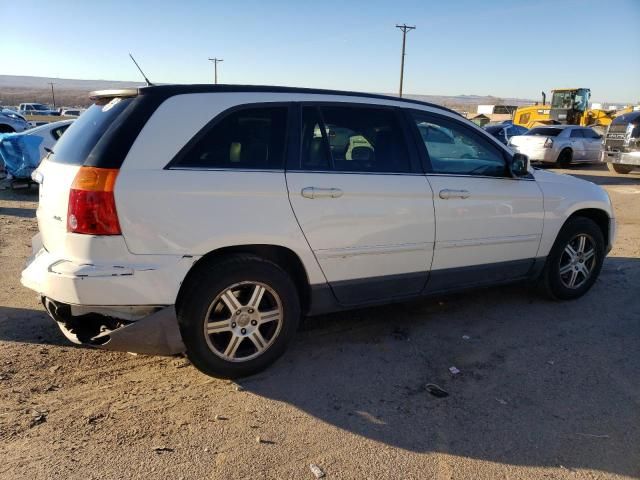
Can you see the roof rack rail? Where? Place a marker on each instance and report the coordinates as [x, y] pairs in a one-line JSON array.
[[176, 89]]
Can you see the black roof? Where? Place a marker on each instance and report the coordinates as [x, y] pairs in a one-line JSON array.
[[170, 90]]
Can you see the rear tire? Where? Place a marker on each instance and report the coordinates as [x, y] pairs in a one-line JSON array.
[[237, 315], [617, 168], [565, 157], [575, 260]]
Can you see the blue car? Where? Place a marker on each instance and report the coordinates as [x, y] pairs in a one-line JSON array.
[[504, 131]]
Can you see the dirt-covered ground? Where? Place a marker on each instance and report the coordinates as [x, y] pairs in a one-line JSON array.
[[546, 389]]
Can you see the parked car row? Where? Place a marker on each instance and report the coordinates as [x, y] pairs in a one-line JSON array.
[[566, 144], [41, 109]]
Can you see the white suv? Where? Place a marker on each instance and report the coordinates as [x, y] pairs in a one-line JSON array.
[[213, 234]]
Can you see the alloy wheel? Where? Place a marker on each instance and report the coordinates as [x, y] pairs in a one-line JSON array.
[[577, 261], [243, 321]]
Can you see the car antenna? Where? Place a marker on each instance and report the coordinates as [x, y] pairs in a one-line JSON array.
[[149, 84]]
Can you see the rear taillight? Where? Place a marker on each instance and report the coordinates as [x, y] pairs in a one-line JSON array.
[[548, 143], [92, 206]]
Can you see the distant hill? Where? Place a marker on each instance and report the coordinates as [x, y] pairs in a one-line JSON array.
[[32, 83], [16, 89], [468, 102]]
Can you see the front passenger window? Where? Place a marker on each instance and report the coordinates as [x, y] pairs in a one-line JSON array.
[[455, 149]]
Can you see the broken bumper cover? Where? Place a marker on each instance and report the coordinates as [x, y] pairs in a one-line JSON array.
[[126, 307], [154, 334], [127, 283]]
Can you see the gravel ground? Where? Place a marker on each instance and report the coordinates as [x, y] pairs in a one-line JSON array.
[[545, 389]]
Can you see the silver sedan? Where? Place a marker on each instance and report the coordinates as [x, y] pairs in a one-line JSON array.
[[560, 144]]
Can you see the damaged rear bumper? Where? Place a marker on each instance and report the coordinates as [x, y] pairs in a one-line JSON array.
[[147, 330]]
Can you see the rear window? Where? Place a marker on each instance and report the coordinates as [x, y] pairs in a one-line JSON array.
[[545, 131], [82, 136]]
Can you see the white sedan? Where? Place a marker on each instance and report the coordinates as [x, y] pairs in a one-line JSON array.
[[562, 144], [50, 133]]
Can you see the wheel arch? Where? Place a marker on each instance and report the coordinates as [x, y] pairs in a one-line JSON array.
[[564, 149], [5, 128], [598, 216], [284, 257]]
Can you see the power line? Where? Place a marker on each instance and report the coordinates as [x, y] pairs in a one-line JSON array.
[[405, 28], [53, 95], [215, 68]]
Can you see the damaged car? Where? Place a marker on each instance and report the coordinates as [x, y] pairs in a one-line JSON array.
[[213, 236]]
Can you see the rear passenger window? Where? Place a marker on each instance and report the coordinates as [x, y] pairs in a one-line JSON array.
[[353, 139], [457, 150], [251, 138], [576, 134], [56, 133]]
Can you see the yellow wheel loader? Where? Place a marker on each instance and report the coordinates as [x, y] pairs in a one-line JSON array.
[[568, 106]]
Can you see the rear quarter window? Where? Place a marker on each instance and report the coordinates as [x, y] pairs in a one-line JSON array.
[[82, 136], [248, 138]]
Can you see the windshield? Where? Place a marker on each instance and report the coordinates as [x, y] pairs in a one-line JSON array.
[[581, 100], [544, 131], [562, 100]]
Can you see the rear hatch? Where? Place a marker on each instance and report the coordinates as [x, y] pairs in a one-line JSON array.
[[58, 170]]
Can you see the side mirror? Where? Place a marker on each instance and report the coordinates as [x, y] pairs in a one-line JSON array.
[[519, 165]]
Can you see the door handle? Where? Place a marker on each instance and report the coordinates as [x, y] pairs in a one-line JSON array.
[[315, 192], [447, 193]]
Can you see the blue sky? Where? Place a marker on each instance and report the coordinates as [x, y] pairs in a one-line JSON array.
[[508, 48]]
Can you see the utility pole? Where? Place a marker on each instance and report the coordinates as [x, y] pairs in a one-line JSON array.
[[215, 68], [405, 28], [53, 96]]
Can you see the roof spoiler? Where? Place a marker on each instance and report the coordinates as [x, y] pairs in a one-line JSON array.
[[121, 92]]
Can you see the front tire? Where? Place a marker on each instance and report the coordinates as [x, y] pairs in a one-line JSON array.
[[575, 260], [617, 168], [238, 315]]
